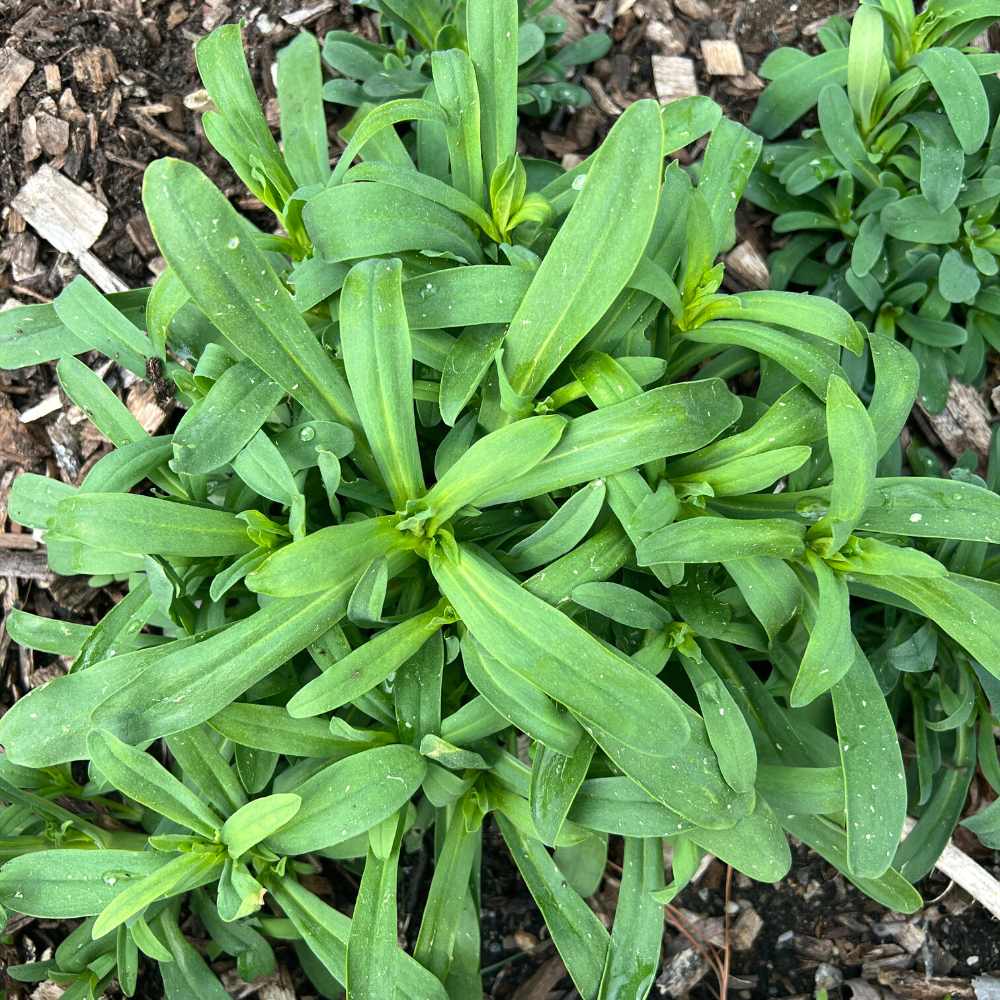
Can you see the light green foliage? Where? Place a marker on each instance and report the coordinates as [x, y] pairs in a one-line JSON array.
[[891, 204], [480, 484]]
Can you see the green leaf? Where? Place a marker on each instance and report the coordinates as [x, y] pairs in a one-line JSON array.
[[181, 874], [730, 156], [217, 427], [94, 321], [211, 250], [106, 411], [271, 728], [728, 731], [796, 90], [874, 784], [830, 650], [561, 532], [389, 225], [191, 685], [854, 450], [492, 462], [62, 884], [621, 604], [125, 522], [942, 162], [239, 130], [467, 363], [491, 30], [258, 820], [206, 769], [458, 94], [796, 310], [349, 797], [166, 298], [916, 220], [713, 539], [555, 781], [136, 774], [366, 666], [579, 937], [327, 558], [375, 341], [637, 935], [616, 701], [48, 635], [518, 700], [769, 587], [588, 264], [465, 296], [866, 67], [669, 420], [961, 92], [897, 375], [188, 975], [437, 939], [372, 944], [303, 117], [837, 124], [810, 363]]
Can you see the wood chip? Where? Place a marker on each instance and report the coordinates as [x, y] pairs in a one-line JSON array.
[[670, 38], [543, 982], [46, 405], [53, 134], [95, 68], [177, 15], [744, 932], [697, 10], [14, 72], [23, 257], [53, 78], [100, 274], [31, 148], [142, 404], [150, 127], [722, 57], [963, 423], [673, 77], [682, 973], [60, 211], [600, 96], [746, 263], [306, 14], [971, 876], [917, 986]]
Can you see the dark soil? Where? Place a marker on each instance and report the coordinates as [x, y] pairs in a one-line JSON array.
[[117, 73]]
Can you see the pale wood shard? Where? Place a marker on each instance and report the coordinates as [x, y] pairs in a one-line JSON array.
[[46, 405], [53, 78], [746, 263], [673, 77], [60, 211], [722, 57], [53, 134], [962, 870], [308, 13], [963, 423], [95, 68], [31, 148], [697, 10], [142, 404], [14, 72], [100, 274], [669, 37]]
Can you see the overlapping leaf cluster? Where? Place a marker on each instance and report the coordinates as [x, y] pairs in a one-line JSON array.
[[892, 201], [464, 524], [412, 31]]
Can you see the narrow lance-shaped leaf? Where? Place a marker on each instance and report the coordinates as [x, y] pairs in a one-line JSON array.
[[211, 250], [854, 448], [303, 117], [107, 412], [458, 93], [491, 29], [135, 773], [588, 264], [378, 356], [874, 784]]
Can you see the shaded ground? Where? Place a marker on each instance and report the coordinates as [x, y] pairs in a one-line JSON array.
[[114, 86]]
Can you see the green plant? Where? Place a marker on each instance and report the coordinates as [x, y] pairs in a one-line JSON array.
[[450, 534], [893, 199], [411, 31]]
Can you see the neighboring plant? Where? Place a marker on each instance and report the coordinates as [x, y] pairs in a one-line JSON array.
[[893, 200], [451, 535], [399, 65]]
